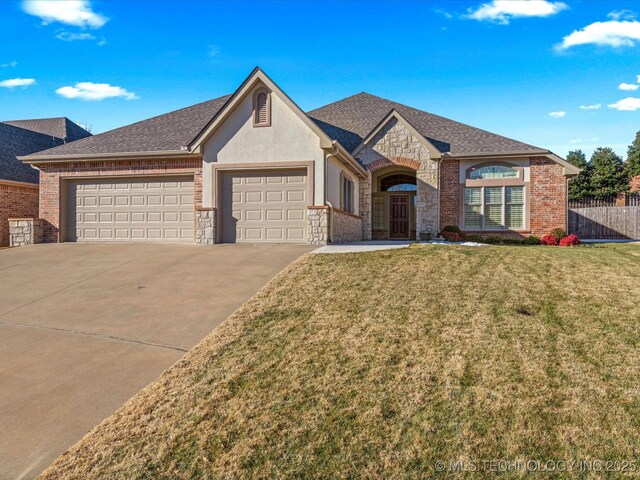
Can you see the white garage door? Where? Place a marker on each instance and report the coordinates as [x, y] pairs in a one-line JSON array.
[[131, 210], [264, 207]]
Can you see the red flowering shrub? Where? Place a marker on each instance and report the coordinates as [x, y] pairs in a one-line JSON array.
[[451, 236], [549, 240], [570, 241]]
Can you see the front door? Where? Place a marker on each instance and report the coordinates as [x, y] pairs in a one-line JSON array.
[[399, 217]]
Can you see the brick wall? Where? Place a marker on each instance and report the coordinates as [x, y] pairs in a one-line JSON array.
[[548, 206], [51, 176], [16, 201], [634, 184], [450, 192]]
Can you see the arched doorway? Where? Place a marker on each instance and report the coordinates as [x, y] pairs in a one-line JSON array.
[[393, 204]]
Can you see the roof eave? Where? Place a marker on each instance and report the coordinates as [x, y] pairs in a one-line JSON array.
[[347, 159], [570, 170], [35, 159]]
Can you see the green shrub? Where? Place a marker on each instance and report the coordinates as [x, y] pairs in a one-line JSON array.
[[493, 240], [452, 229], [474, 237], [531, 240], [559, 233]]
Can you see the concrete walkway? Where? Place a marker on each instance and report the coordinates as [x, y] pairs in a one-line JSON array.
[[85, 327], [370, 246]]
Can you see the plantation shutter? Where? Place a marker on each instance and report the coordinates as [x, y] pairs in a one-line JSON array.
[[492, 208], [514, 208], [473, 208]]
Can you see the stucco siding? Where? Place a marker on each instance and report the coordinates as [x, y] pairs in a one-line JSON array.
[[288, 139], [334, 169]]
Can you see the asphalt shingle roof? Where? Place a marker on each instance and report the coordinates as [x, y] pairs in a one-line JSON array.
[[24, 137], [59, 127], [350, 120], [170, 131]]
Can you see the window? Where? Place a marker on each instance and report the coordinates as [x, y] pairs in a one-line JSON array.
[[379, 222], [494, 208], [398, 183], [347, 195], [261, 108], [493, 172]]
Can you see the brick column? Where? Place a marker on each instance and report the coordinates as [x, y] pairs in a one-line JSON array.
[[25, 231]]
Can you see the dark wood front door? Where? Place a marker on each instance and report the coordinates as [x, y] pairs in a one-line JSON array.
[[399, 217]]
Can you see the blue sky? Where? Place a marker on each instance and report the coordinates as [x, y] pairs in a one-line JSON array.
[[498, 65]]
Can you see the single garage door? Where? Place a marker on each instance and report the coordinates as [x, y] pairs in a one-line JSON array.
[[131, 210], [264, 207]]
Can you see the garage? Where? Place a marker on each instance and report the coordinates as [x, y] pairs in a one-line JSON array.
[[152, 209], [264, 207]]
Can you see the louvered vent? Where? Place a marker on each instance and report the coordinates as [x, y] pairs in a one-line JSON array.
[[261, 109]]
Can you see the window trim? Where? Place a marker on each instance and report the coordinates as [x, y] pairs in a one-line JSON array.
[[257, 92]]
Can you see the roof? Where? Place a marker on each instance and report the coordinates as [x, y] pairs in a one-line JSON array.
[[172, 131], [59, 127], [347, 121], [350, 120], [16, 141]]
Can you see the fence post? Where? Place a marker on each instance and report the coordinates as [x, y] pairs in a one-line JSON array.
[[621, 199]]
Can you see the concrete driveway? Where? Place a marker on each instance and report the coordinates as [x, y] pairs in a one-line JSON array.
[[84, 327]]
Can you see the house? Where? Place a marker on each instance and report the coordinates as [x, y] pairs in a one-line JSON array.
[[19, 181], [253, 167]]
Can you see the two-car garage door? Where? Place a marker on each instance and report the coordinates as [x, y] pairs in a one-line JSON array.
[[155, 209]]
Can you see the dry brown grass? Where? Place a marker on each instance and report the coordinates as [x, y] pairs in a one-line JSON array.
[[377, 365]]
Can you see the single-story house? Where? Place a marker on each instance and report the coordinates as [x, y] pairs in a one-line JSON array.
[[19, 181], [253, 167]]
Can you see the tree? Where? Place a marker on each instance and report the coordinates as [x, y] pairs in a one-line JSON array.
[[580, 185], [608, 176], [632, 165]]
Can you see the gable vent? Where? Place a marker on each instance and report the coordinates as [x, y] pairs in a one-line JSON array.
[[261, 108]]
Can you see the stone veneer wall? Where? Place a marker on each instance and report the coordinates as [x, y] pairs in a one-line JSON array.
[[397, 144], [52, 175], [25, 231], [16, 201], [365, 206], [345, 227], [317, 225], [205, 226]]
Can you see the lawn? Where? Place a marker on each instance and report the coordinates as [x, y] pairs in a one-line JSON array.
[[378, 365]]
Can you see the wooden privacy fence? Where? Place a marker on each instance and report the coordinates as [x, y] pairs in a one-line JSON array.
[[605, 223]]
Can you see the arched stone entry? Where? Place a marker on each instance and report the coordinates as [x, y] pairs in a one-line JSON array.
[[393, 201]]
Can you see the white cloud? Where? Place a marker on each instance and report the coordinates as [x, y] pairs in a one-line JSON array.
[[10, 64], [628, 104], [622, 15], [628, 86], [588, 140], [94, 91], [502, 11], [17, 82], [638, 79], [613, 33], [595, 106], [557, 114], [71, 37], [71, 12]]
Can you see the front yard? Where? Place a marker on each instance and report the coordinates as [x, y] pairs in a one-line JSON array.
[[378, 365]]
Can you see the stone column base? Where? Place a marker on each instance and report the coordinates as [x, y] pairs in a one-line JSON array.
[[317, 225], [25, 231], [206, 226]]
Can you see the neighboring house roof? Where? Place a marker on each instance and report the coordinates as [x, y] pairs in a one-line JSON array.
[[352, 119], [24, 137], [169, 132], [59, 127]]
